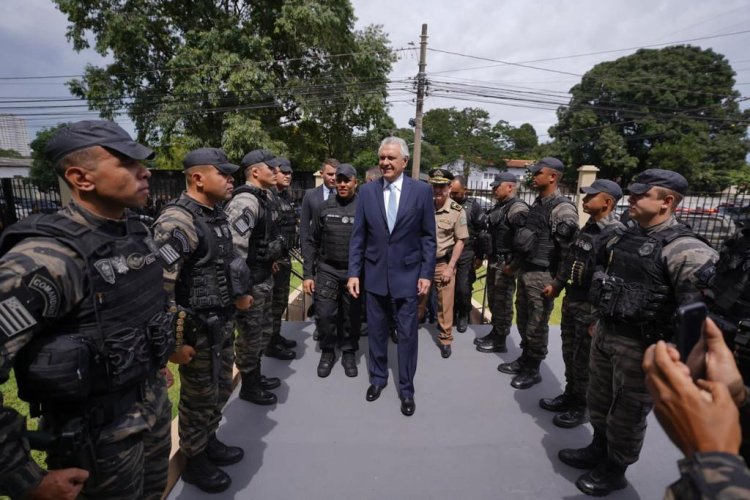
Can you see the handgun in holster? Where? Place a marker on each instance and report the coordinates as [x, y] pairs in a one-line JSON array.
[[73, 444]]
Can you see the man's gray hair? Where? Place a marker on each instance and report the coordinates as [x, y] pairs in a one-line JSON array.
[[399, 142]]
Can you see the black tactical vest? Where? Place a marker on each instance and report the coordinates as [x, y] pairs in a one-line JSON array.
[[583, 252], [500, 228], [287, 222], [538, 221], [636, 291], [103, 346], [730, 287], [337, 222], [258, 258], [203, 284]]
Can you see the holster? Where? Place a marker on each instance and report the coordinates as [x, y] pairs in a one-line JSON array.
[[72, 446], [215, 331]]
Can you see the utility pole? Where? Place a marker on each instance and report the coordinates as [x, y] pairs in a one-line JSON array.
[[421, 80]]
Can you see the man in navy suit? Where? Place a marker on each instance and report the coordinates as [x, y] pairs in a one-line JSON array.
[[393, 243]]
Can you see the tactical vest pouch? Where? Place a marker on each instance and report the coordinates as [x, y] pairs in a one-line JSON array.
[[161, 338], [525, 241], [277, 249], [127, 357], [56, 368]]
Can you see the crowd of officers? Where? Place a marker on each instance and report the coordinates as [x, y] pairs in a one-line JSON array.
[[93, 303]]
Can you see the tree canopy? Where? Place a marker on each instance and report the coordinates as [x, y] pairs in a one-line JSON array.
[[672, 108], [291, 76]]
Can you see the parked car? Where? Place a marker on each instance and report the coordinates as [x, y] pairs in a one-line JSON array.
[[740, 214], [27, 206], [709, 224]]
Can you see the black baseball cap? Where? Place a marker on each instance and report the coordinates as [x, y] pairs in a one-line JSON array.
[[658, 177], [347, 170], [604, 186], [284, 165], [89, 133], [258, 156], [503, 177], [209, 156], [549, 162]]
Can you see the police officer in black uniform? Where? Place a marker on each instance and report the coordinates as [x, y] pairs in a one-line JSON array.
[[337, 312], [472, 254], [279, 346]]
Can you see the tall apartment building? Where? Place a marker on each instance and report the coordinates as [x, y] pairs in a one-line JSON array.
[[14, 134]]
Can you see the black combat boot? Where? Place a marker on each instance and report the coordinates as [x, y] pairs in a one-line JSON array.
[[200, 472], [607, 477], [462, 323], [487, 337], [563, 402], [512, 368], [529, 375], [325, 365], [220, 454], [571, 418], [252, 390], [278, 351], [350, 364], [493, 344], [267, 383], [288, 343], [588, 457]]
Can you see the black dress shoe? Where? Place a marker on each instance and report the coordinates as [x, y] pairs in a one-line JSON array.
[[570, 418], [201, 472], [278, 351], [563, 402], [462, 323], [512, 368], [493, 344], [408, 406], [269, 383], [327, 359], [220, 454], [373, 392], [607, 477], [445, 351], [527, 378], [349, 364], [288, 343]]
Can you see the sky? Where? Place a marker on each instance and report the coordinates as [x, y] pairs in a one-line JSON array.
[[486, 34]]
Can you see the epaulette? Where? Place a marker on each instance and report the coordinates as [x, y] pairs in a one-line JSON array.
[[456, 206]]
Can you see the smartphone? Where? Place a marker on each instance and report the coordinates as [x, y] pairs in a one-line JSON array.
[[690, 319]]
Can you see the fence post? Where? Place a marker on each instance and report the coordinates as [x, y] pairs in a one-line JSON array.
[[586, 177]]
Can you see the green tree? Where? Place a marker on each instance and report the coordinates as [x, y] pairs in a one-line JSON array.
[[672, 108], [292, 76], [42, 173], [463, 133], [10, 153]]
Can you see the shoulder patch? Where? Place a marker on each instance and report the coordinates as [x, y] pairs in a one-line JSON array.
[[14, 317], [181, 238], [168, 254], [456, 206], [244, 223], [45, 287]]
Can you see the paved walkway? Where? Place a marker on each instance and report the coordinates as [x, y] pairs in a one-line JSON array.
[[472, 436]]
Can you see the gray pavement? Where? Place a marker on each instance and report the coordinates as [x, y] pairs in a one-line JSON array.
[[472, 437]]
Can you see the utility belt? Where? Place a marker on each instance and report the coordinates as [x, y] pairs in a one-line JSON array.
[[531, 267], [647, 333]]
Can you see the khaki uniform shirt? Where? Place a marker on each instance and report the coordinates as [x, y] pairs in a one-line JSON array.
[[450, 220]]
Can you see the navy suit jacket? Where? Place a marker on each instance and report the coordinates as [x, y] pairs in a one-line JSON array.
[[393, 262]]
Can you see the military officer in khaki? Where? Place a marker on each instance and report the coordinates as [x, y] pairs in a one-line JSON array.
[[452, 230]]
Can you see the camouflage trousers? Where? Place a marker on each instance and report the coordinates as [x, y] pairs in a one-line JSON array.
[[500, 289], [533, 313], [577, 316], [280, 297], [254, 327], [465, 278], [132, 460], [201, 398], [444, 295], [617, 398]]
